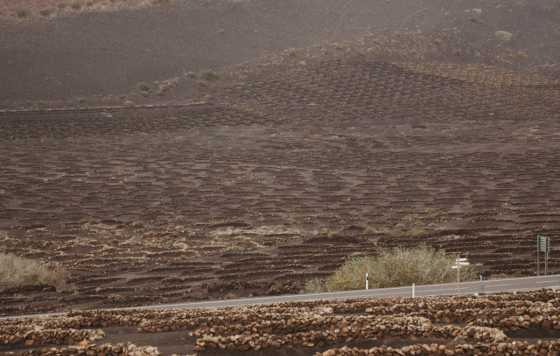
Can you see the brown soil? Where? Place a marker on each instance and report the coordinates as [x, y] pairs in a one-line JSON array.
[[285, 167]]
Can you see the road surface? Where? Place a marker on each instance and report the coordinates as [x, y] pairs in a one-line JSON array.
[[464, 288]]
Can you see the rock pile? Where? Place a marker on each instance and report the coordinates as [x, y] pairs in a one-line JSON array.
[[88, 350], [311, 332], [502, 348], [36, 335], [441, 325]]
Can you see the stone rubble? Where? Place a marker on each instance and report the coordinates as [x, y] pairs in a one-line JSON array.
[[465, 325]]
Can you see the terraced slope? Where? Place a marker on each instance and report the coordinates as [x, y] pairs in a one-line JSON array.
[[284, 171]]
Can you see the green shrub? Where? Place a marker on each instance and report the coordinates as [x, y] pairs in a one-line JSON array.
[[394, 268], [17, 271]]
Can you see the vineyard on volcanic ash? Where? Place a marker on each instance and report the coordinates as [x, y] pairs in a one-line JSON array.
[[282, 171]]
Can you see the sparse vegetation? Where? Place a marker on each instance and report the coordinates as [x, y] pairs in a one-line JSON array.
[[209, 75], [18, 271], [165, 85], [144, 88], [394, 268]]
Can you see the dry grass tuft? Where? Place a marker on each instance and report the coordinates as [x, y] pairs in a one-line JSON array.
[[18, 271], [394, 268]]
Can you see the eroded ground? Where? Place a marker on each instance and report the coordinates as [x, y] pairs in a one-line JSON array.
[[521, 324]]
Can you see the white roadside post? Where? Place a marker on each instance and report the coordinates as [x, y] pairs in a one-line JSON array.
[[413, 290], [367, 281], [457, 268]]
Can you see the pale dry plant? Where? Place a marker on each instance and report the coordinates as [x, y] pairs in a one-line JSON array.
[[17, 271], [394, 268]]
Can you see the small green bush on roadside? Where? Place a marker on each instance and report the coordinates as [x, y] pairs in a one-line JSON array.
[[394, 268]]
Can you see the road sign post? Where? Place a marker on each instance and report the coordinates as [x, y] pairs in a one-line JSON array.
[[545, 262], [367, 281], [538, 255], [543, 246], [459, 263]]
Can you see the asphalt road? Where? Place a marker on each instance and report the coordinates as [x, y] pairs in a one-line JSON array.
[[464, 288]]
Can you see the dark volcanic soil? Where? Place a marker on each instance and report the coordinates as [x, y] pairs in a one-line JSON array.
[[281, 177], [110, 53], [283, 169]]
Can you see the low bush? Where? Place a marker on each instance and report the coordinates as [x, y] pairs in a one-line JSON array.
[[144, 88], [18, 271], [394, 268]]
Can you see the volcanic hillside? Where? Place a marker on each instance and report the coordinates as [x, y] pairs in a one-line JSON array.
[[252, 178], [281, 170], [57, 50]]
